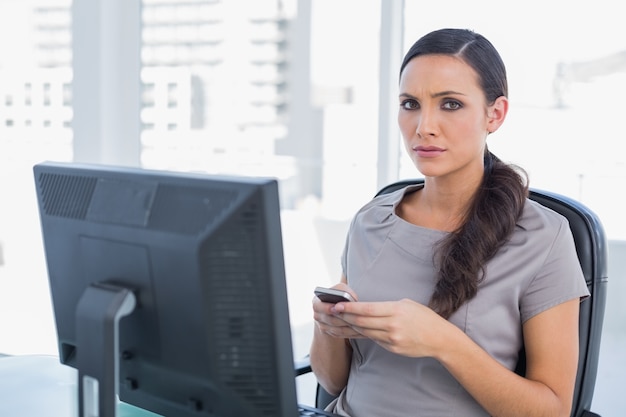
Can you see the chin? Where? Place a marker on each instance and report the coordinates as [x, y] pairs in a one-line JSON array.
[[428, 170]]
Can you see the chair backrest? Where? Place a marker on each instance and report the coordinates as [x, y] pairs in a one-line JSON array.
[[592, 250]]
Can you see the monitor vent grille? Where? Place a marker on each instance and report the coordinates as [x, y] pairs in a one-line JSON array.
[[196, 209], [66, 195], [239, 292]]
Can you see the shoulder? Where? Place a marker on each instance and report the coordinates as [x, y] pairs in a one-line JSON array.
[[379, 212], [541, 236], [539, 218], [545, 236], [384, 205]]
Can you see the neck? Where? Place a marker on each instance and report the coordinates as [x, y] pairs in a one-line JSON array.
[[441, 204]]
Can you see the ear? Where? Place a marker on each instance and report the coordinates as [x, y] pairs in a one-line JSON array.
[[496, 113]]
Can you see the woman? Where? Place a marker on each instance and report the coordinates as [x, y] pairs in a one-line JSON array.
[[453, 277]]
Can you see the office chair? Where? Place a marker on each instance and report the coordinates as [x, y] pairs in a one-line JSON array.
[[592, 249]]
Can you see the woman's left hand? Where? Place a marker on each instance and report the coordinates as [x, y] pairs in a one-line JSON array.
[[404, 327]]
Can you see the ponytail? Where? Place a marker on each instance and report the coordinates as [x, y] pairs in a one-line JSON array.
[[490, 221]]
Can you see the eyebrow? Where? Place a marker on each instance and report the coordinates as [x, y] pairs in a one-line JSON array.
[[435, 95]]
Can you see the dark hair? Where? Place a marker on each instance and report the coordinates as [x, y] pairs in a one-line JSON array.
[[474, 49], [499, 200]]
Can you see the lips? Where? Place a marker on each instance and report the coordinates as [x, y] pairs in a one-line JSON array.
[[428, 151]]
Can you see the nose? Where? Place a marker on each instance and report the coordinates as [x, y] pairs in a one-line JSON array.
[[426, 123]]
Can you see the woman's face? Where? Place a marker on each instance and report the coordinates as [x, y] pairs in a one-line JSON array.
[[444, 117]]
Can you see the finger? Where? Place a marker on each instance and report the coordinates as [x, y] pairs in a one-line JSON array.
[[371, 309], [344, 332], [367, 316], [330, 320]]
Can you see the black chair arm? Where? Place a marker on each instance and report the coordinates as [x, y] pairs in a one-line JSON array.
[[302, 366]]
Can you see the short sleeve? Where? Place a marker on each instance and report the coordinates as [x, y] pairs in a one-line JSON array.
[[559, 279]]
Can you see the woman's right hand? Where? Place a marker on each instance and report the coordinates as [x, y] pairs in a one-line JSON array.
[[327, 319], [330, 352]]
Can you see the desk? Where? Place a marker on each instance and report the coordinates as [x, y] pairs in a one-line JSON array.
[[38, 385]]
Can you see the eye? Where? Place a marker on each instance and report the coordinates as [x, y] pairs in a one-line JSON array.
[[452, 105], [409, 104]]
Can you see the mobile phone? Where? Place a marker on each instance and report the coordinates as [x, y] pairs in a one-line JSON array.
[[330, 295]]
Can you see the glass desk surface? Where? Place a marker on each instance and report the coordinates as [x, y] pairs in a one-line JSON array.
[[39, 385]]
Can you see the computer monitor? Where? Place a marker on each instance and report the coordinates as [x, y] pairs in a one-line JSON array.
[[169, 289]]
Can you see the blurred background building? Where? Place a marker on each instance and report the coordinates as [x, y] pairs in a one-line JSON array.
[[224, 88]]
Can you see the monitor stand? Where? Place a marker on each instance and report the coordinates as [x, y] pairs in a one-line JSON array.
[[98, 313]]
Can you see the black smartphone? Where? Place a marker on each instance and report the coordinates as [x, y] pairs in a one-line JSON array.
[[330, 295]]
